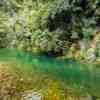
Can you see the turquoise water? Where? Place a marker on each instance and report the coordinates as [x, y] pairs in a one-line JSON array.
[[70, 72]]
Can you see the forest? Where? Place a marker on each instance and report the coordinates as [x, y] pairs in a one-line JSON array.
[[69, 28], [56, 29]]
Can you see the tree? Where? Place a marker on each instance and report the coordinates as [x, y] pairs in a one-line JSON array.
[[50, 25]]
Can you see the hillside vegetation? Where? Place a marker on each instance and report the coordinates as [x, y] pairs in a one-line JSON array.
[[55, 27]]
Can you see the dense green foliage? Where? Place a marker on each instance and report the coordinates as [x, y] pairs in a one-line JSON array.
[[49, 25]]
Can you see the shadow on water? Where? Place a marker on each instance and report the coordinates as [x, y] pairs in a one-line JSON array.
[[68, 71]]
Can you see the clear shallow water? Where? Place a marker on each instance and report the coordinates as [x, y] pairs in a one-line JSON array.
[[68, 71]]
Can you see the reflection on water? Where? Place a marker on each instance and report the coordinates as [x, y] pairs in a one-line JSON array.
[[68, 71]]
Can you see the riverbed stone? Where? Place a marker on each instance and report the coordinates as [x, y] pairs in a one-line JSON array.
[[32, 96]]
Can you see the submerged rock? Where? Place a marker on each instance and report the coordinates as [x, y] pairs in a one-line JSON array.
[[88, 97], [32, 96]]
